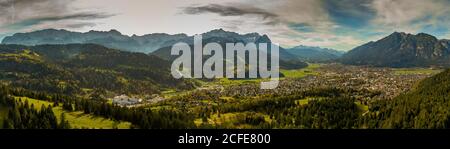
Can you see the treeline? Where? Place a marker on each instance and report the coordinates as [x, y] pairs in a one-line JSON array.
[[22, 115], [325, 113], [140, 117], [326, 108]]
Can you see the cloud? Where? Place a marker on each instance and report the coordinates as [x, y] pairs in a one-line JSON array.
[[289, 22], [229, 10], [36, 21], [300, 15], [80, 25], [350, 13], [301, 27], [403, 12], [412, 16], [14, 10], [26, 14], [341, 24]]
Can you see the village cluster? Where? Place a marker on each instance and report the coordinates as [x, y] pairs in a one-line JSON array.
[[367, 82]]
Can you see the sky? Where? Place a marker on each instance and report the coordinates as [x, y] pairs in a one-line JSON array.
[[337, 24]]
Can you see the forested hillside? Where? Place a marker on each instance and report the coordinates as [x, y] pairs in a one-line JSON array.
[[84, 69], [428, 106]]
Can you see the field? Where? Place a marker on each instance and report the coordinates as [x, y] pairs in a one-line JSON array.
[[296, 73], [78, 119], [300, 73], [226, 81], [302, 102], [231, 120], [172, 93]]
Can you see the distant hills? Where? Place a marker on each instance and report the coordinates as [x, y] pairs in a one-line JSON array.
[[401, 50], [315, 54]]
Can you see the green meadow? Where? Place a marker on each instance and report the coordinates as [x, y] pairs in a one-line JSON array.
[[300, 73], [294, 73], [411, 71]]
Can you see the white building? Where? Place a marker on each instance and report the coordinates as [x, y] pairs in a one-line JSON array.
[[124, 100]]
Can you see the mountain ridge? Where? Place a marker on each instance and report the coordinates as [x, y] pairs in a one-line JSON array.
[[220, 36], [401, 49], [315, 54], [111, 39], [146, 43]]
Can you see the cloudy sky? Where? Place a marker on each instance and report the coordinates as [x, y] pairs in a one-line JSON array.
[[339, 24]]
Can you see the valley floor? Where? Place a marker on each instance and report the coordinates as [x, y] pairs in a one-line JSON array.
[[363, 85], [319, 96]]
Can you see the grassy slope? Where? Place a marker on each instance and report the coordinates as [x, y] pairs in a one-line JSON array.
[[78, 119]]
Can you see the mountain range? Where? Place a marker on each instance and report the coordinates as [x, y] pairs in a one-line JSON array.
[[144, 44], [396, 50], [315, 54], [401, 50], [114, 39], [111, 39], [222, 37]]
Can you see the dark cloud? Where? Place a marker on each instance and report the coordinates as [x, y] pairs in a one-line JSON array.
[[229, 10], [20, 14], [301, 27], [40, 20], [350, 13], [24, 8], [80, 25], [78, 16], [8, 3]]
